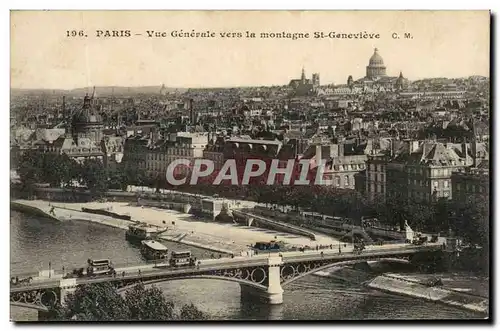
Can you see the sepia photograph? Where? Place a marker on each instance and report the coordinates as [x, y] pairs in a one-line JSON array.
[[280, 165]]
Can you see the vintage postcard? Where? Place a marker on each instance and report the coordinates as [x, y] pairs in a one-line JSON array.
[[249, 165]]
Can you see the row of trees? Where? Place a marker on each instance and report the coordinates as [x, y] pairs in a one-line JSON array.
[[101, 302], [59, 170], [468, 219]]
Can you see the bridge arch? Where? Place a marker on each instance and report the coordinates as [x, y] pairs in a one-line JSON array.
[[336, 264], [167, 279]]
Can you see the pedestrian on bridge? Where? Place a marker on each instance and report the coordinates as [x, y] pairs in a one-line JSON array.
[[340, 250], [123, 274]]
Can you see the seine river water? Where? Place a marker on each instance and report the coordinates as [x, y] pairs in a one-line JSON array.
[[36, 242]]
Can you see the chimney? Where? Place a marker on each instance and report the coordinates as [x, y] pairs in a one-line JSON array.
[[64, 107], [464, 149], [341, 148], [413, 145], [191, 112], [319, 155], [474, 145]]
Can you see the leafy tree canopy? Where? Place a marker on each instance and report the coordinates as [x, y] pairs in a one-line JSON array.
[[101, 302]]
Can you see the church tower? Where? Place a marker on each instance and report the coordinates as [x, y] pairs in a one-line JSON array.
[[400, 82], [350, 81]]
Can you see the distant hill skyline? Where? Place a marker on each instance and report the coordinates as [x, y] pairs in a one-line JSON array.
[[431, 44], [100, 90], [155, 89]]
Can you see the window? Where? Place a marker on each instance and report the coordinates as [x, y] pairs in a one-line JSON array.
[[435, 183], [337, 181], [445, 184], [346, 180], [458, 187]]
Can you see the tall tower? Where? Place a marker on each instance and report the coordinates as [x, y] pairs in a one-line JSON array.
[[350, 81], [66, 118], [400, 81], [473, 149], [303, 76], [192, 115], [315, 80]]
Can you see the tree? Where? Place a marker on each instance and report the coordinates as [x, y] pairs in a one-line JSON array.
[[148, 304], [101, 302], [59, 169], [471, 220], [95, 177], [94, 302], [191, 313]]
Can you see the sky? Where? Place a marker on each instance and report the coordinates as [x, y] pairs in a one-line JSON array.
[[443, 44]]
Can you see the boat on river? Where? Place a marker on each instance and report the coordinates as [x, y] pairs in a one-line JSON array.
[[142, 231], [153, 250]]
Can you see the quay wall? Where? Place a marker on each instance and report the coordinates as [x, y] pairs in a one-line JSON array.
[[260, 221], [398, 285], [106, 213], [32, 210]]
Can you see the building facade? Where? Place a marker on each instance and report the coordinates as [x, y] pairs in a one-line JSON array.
[[471, 182]]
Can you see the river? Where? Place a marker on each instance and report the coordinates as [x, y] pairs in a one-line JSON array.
[[36, 242]]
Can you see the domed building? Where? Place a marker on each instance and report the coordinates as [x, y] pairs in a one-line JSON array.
[[82, 137], [86, 123], [376, 67], [376, 79]]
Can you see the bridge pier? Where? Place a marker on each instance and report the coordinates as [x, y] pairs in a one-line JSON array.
[[66, 286], [273, 295], [252, 294]]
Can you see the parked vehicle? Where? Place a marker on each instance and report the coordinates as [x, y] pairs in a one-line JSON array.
[[179, 259], [267, 246], [100, 267]]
